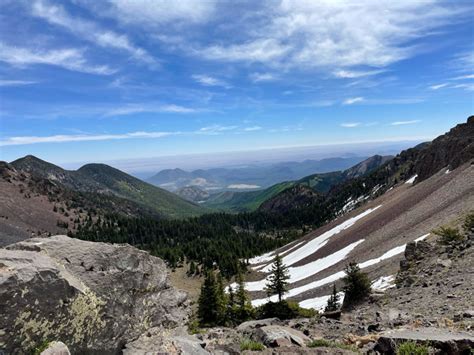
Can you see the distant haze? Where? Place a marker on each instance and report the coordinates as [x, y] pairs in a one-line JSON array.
[[145, 167]]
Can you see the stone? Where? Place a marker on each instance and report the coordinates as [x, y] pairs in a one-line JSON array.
[[56, 348], [444, 262], [165, 341], [248, 326], [448, 342], [271, 335], [93, 296]]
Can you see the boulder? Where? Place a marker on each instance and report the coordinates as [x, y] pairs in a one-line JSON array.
[[165, 341], [250, 325], [92, 296], [56, 348], [277, 335], [446, 341]]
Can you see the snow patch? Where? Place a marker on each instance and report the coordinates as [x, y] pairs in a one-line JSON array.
[[317, 243], [298, 273], [243, 186], [383, 283], [319, 303], [412, 179]]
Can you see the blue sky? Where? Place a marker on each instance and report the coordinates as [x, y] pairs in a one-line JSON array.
[[85, 80]]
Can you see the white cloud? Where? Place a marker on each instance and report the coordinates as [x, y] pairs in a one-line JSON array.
[[352, 100], [350, 124], [24, 140], [210, 81], [16, 82], [464, 77], [90, 31], [152, 13], [320, 34], [68, 58], [215, 129], [347, 74], [438, 86], [258, 77], [401, 123], [253, 128], [147, 108]]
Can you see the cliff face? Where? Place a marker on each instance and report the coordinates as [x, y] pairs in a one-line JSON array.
[[92, 296]]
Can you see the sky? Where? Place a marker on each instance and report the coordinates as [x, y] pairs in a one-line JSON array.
[[86, 80]]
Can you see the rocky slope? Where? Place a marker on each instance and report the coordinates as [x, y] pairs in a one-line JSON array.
[[94, 297]]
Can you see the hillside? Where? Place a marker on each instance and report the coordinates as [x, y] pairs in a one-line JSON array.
[[319, 183], [399, 202], [103, 179]]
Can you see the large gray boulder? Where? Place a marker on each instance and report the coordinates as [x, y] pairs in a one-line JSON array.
[[94, 297]]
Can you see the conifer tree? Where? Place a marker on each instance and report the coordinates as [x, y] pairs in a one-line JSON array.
[[333, 301], [278, 280], [192, 269], [208, 303], [356, 285], [221, 299], [244, 308]]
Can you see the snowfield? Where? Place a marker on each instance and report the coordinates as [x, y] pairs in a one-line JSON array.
[[319, 303], [412, 179], [383, 283], [317, 243], [336, 276]]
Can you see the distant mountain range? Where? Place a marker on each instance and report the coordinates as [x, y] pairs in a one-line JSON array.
[[313, 185], [247, 178]]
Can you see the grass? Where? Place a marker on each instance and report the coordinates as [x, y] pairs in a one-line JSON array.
[[247, 344], [330, 344], [412, 348]]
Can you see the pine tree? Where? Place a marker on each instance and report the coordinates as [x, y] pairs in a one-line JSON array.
[[357, 285], [208, 304], [221, 299], [192, 269], [278, 280], [333, 301], [244, 308]]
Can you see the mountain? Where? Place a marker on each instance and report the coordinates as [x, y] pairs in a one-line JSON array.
[[249, 177], [372, 218], [193, 193], [319, 183], [103, 179]]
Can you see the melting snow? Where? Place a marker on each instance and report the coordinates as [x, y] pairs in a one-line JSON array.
[[336, 276], [319, 303], [383, 283], [412, 179], [270, 256], [317, 243], [447, 171], [298, 273]]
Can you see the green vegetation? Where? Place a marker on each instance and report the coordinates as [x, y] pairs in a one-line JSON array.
[[41, 347], [333, 301], [283, 310], [317, 343], [412, 348], [356, 285], [278, 280], [448, 235], [468, 224], [248, 344]]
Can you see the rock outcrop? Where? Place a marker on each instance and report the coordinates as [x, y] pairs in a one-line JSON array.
[[94, 297]]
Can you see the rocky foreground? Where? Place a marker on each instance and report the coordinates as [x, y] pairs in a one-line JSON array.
[[85, 297]]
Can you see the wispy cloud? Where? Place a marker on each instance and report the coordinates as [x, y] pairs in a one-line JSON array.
[[352, 100], [464, 77], [88, 30], [401, 123], [61, 138], [253, 128], [258, 77], [438, 86], [16, 82], [68, 58], [207, 80], [215, 129], [350, 124], [147, 108], [350, 74]]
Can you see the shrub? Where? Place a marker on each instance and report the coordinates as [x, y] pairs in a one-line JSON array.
[[283, 310], [356, 285], [247, 344], [412, 348], [448, 235], [469, 222]]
